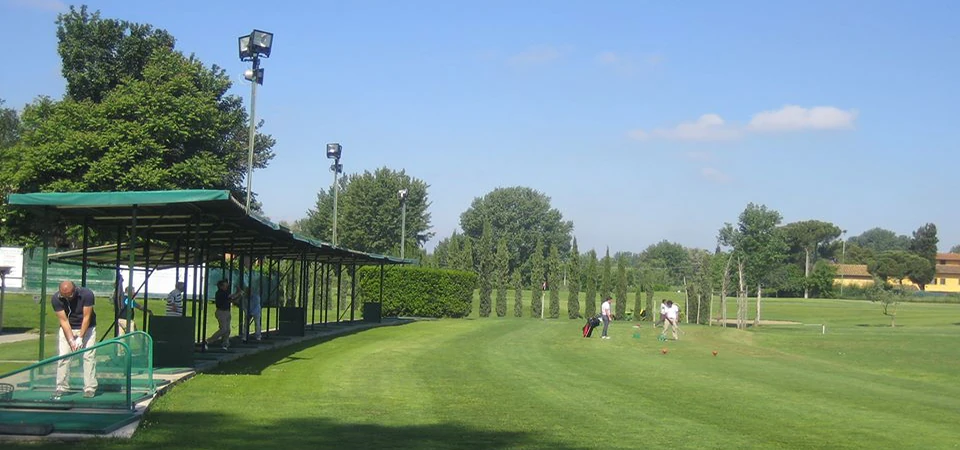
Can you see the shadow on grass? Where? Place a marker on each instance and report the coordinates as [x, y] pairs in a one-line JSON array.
[[179, 430], [17, 330], [255, 364]]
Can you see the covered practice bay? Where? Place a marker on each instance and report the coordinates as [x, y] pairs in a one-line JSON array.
[[193, 232]]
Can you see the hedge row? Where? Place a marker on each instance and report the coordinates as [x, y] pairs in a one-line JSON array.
[[418, 291]]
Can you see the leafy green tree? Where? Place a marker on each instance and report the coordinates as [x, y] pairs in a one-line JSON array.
[[638, 302], [98, 54], [450, 255], [606, 277], [517, 294], [590, 281], [467, 258], [485, 262], [759, 245], [621, 304], [502, 276], [138, 115], [924, 244], [369, 213], [889, 299], [671, 257], [521, 216], [573, 283], [701, 292], [823, 279], [897, 265], [537, 278], [880, 240], [955, 249], [809, 235], [554, 281], [9, 126], [855, 254]]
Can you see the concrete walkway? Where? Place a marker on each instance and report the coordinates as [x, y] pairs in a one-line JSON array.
[[210, 360], [17, 337]]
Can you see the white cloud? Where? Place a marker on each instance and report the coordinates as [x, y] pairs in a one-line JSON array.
[[42, 5], [796, 118], [714, 175], [709, 127], [712, 127], [536, 56]]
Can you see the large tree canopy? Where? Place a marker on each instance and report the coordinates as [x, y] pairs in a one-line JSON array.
[[100, 54], [519, 215], [758, 241], [138, 116], [669, 258], [369, 212], [880, 240], [809, 235], [9, 126]]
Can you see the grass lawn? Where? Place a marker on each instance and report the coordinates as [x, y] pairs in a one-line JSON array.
[[522, 383]]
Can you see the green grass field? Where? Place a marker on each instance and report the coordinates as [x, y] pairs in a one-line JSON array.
[[525, 383]]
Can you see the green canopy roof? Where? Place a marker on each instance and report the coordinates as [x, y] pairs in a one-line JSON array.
[[191, 217]]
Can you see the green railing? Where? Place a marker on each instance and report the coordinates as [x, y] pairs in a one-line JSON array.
[[123, 371]]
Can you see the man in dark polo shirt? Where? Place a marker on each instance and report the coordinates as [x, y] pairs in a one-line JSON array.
[[223, 302], [74, 308]]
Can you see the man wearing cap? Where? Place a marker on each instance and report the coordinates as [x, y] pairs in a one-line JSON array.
[[74, 308]]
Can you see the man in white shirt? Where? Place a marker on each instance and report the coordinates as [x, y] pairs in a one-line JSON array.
[[671, 316], [606, 313], [663, 313]]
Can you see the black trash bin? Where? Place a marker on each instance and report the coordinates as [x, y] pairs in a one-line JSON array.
[[371, 312]]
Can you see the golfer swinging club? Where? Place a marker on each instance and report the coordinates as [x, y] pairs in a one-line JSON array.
[[672, 313]]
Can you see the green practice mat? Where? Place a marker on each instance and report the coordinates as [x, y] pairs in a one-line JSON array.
[[41, 423], [41, 399]]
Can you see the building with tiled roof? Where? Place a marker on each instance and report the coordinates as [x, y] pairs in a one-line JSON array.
[[947, 278]]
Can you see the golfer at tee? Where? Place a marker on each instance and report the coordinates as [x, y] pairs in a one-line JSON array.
[[606, 315], [663, 312], [671, 316]]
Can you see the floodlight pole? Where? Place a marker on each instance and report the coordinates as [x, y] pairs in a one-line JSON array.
[[336, 171], [253, 127], [403, 221], [843, 254]]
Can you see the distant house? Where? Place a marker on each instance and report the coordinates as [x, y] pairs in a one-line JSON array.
[[946, 279], [853, 275]]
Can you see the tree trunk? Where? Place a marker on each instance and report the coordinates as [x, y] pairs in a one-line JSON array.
[[699, 296], [806, 274], [741, 298], [756, 320], [686, 301], [710, 310], [724, 288]]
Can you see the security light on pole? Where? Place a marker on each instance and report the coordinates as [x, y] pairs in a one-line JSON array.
[[403, 220], [252, 47], [334, 151]]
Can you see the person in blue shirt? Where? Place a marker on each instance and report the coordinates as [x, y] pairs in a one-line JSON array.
[[129, 303]]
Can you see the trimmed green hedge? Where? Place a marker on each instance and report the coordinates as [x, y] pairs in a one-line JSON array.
[[418, 291]]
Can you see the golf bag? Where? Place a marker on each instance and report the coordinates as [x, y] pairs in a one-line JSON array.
[[592, 323]]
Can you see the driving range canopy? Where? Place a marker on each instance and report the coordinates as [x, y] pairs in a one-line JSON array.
[[213, 217]]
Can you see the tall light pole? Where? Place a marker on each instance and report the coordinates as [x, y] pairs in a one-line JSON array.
[[333, 152], [253, 46], [403, 220], [843, 257]]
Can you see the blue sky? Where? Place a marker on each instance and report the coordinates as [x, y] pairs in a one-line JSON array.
[[641, 120]]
